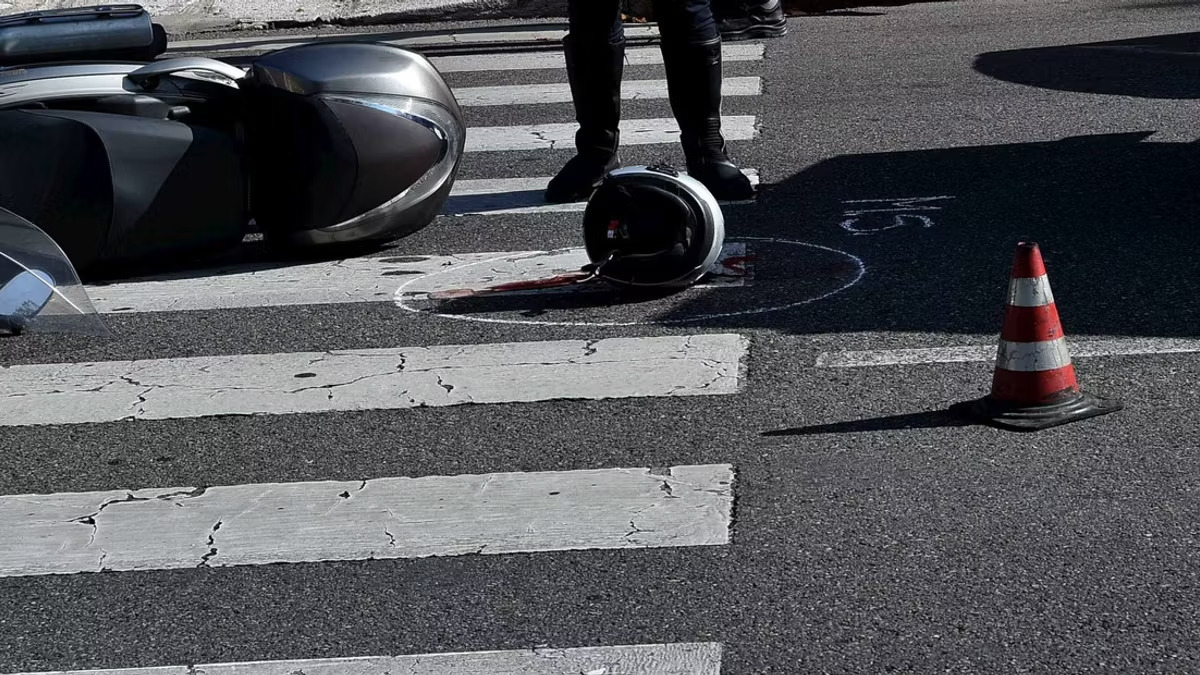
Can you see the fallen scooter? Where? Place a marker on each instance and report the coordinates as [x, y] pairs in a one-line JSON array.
[[126, 162]]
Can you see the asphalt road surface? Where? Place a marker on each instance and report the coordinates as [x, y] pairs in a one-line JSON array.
[[745, 477]]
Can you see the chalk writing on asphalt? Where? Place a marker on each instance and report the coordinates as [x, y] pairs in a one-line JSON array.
[[870, 216]]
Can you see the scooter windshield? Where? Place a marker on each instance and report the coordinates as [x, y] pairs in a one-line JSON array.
[[40, 292]]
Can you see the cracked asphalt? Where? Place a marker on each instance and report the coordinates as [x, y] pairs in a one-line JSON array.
[[421, 377], [871, 532]]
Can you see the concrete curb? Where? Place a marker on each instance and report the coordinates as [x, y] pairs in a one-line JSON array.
[[189, 16], [184, 18]]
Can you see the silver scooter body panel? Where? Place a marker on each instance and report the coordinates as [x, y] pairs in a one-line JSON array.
[[390, 80], [173, 81], [353, 67]]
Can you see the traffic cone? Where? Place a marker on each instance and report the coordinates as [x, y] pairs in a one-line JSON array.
[[1033, 385]]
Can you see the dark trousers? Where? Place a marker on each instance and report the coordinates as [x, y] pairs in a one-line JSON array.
[[679, 21]]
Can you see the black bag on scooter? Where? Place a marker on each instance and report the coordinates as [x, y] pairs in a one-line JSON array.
[[81, 33]]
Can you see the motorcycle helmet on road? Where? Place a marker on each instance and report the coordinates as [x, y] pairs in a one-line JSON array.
[[652, 227]]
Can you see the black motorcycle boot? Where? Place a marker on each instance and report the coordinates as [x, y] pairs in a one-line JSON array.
[[749, 19], [694, 90], [594, 72]]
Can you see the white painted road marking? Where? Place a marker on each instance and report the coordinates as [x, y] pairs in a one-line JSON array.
[[696, 658], [384, 518], [374, 279], [521, 195], [1080, 348], [561, 136], [370, 379], [524, 94], [553, 60]]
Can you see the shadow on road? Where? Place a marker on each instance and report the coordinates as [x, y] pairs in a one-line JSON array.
[[1159, 66], [1117, 218], [249, 256], [921, 420]]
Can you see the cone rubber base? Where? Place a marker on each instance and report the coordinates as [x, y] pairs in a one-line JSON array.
[[1035, 417]]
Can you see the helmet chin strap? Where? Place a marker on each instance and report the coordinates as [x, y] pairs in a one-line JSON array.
[[594, 269]]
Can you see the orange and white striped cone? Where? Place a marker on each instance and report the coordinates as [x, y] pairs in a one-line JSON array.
[[1034, 384]]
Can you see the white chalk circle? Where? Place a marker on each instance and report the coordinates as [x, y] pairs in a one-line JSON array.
[[467, 291]]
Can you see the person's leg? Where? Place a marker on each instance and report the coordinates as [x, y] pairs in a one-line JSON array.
[[748, 19], [691, 49], [595, 51]]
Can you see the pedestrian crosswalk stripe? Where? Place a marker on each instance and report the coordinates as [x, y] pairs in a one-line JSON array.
[[697, 658], [379, 518], [561, 135], [353, 280], [520, 195], [554, 60], [371, 379], [560, 92]]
